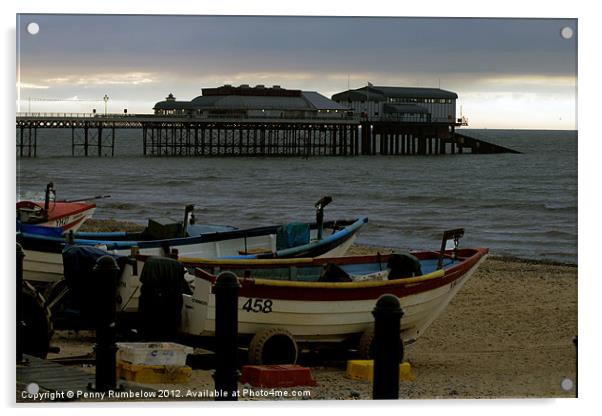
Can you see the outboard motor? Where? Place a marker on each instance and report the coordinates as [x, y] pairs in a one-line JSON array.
[[188, 218], [320, 213], [160, 303], [49, 189]]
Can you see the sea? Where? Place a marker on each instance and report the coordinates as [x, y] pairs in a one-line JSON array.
[[518, 205]]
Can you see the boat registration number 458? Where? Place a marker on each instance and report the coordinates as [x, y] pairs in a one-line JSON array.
[[258, 305]]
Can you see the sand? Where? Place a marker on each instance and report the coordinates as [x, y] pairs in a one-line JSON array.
[[507, 334]]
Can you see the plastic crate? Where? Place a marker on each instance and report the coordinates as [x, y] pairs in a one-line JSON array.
[[153, 353], [288, 375], [153, 374], [364, 370]]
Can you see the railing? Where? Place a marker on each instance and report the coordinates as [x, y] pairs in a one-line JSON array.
[[79, 115], [261, 117], [183, 116]]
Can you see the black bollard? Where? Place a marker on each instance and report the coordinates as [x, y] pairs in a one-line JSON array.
[[105, 277], [20, 322], [388, 348], [226, 337], [576, 366]]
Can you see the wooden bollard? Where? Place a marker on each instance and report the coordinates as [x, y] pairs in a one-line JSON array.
[[105, 276], [226, 337], [388, 348], [20, 322]]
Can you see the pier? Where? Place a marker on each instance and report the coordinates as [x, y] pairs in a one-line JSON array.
[[162, 135], [273, 121]]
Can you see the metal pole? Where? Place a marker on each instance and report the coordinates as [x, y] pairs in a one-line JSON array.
[[105, 277], [388, 348], [226, 337]]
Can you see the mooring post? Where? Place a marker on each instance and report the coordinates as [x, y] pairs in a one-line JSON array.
[[20, 322], [388, 348], [576, 366], [226, 337], [105, 276]]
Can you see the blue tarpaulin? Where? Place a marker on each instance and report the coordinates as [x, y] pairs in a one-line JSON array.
[[292, 235]]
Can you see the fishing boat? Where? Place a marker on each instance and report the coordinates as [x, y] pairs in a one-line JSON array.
[[43, 260], [313, 311], [51, 216], [284, 303]]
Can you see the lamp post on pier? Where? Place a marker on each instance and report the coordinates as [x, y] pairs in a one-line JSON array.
[[106, 100]]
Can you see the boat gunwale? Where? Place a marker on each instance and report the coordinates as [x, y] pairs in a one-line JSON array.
[[328, 291], [204, 238], [52, 207]]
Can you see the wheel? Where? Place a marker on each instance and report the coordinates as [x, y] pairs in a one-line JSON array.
[[273, 346], [37, 320], [365, 346]]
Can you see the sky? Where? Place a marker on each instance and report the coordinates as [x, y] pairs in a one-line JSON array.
[[508, 73]]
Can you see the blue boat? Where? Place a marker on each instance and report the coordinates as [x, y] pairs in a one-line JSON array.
[[43, 261]]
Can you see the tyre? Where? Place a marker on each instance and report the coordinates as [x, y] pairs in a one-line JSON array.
[[365, 346], [273, 346]]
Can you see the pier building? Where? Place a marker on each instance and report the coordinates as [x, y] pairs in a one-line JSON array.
[[259, 102], [401, 104]]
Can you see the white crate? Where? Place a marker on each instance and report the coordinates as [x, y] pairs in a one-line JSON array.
[[153, 353]]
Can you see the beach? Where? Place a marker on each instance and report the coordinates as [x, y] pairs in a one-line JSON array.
[[507, 334]]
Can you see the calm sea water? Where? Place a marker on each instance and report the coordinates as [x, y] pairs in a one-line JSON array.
[[522, 205]]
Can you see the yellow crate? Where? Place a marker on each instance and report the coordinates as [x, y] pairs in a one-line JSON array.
[[153, 374], [364, 370]]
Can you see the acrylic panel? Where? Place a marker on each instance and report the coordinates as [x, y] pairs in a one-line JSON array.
[[295, 208]]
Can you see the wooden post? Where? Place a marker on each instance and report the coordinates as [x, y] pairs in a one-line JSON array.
[[29, 140], [144, 132], [113, 140], [86, 139], [35, 141], [21, 133], [388, 347], [226, 372], [99, 140]]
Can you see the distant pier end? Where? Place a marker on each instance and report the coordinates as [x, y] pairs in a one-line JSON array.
[[274, 121]]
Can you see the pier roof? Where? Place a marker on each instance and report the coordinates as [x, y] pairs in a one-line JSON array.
[[247, 98], [382, 93]]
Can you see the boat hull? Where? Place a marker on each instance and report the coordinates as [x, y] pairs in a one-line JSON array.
[[68, 216], [43, 260], [330, 312]]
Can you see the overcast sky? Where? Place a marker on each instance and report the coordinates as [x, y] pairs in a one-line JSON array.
[[508, 73]]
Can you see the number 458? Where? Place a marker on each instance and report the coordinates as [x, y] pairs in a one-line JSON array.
[[258, 305]]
